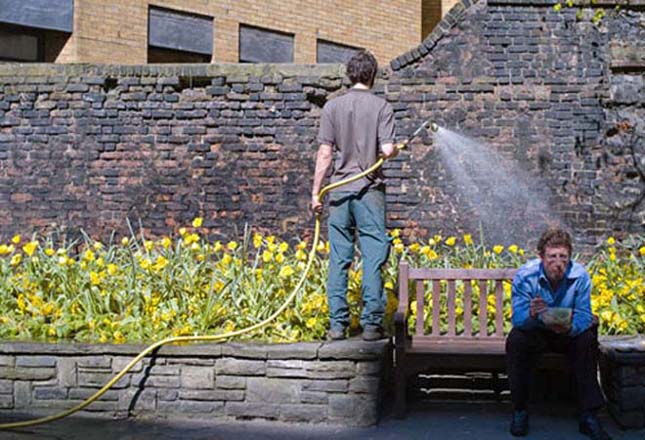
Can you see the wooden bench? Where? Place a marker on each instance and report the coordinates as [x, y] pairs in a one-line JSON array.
[[465, 342]]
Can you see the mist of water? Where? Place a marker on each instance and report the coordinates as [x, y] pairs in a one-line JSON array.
[[508, 203]]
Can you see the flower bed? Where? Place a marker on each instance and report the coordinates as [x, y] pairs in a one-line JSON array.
[[138, 290]]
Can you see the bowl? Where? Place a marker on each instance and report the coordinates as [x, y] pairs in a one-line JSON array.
[[557, 316]]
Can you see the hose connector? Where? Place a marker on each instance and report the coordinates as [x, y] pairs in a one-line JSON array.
[[434, 127]]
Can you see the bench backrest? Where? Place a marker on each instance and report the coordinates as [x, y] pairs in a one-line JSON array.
[[417, 278]]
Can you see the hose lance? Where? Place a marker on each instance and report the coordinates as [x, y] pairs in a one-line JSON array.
[[219, 337]]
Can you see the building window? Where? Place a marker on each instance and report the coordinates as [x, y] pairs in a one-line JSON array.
[[330, 52], [179, 37], [265, 46], [20, 45]]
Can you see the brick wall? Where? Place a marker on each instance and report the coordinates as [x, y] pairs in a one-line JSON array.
[[117, 31], [91, 146]]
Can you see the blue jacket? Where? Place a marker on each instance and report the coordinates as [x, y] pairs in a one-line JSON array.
[[574, 291]]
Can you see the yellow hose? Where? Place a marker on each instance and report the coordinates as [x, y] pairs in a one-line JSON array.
[[151, 348]]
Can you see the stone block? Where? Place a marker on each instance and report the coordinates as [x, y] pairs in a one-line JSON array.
[[330, 386], [7, 361], [230, 382], [188, 407], [95, 362], [137, 401], [247, 351], [273, 390], [234, 395], [315, 397], [6, 386], [22, 394], [369, 368], [303, 413], [119, 363], [365, 384], [353, 350], [6, 401], [197, 377], [100, 379], [36, 373], [48, 393], [66, 372], [86, 393], [353, 409], [331, 369], [35, 361], [240, 367], [246, 409]]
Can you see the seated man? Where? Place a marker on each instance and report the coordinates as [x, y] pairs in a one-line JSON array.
[[554, 280]]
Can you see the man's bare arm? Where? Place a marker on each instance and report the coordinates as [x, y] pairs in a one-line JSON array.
[[323, 162]]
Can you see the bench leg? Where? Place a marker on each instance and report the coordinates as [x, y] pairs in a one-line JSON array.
[[400, 393], [497, 386]]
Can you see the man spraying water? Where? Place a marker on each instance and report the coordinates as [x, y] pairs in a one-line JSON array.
[[358, 127]]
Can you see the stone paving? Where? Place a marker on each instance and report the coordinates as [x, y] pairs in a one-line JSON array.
[[426, 420]]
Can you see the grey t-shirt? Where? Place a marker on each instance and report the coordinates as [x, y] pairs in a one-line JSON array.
[[356, 125]]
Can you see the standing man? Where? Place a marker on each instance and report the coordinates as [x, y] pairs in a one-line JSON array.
[[357, 127], [554, 280]]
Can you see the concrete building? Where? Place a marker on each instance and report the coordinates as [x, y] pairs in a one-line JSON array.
[[211, 31]]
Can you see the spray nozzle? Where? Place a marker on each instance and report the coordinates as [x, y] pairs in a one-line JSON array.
[[434, 127]]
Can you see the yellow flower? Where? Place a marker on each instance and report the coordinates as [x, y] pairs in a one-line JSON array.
[[197, 222], [49, 252], [16, 239], [95, 280], [437, 238], [30, 248], [414, 248], [148, 245], [557, 7], [284, 247], [311, 322], [302, 245], [217, 246], [125, 241], [450, 241], [145, 263], [257, 240], [521, 252], [320, 247], [226, 260], [611, 241], [388, 285], [160, 263], [513, 248], [166, 242], [286, 272], [195, 247], [4, 249], [279, 258], [468, 239], [301, 255], [89, 255], [51, 331], [97, 245], [398, 247], [15, 260], [498, 249], [232, 245], [182, 231], [429, 253], [642, 251], [395, 233], [62, 260], [112, 268]]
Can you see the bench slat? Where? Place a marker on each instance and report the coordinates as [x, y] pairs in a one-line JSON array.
[[451, 307], [468, 313], [457, 345], [462, 274], [499, 308], [436, 307], [483, 309], [420, 306]]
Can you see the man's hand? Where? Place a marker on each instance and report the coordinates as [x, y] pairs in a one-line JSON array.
[[537, 306], [316, 205], [389, 151]]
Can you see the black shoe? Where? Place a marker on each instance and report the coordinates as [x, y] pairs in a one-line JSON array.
[[590, 426], [335, 334], [520, 423], [372, 333]]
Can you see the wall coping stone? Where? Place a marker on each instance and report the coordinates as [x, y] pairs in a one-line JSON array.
[[194, 70]]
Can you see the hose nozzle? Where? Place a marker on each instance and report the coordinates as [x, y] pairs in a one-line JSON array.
[[434, 127]]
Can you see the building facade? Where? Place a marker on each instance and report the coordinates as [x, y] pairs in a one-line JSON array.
[[210, 31]]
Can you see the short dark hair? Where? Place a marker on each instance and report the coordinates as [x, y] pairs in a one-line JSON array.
[[361, 68], [554, 237]]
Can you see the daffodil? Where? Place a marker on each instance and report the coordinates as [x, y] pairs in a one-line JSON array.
[[257, 240], [285, 272], [498, 249], [232, 245], [197, 222], [30, 248], [16, 239], [468, 239], [513, 248], [125, 241], [450, 241]]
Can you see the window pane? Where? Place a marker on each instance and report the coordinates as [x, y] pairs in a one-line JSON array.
[[180, 31], [17, 46], [265, 46], [329, 52]]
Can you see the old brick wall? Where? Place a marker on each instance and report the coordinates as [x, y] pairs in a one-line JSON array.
[[89, 146]]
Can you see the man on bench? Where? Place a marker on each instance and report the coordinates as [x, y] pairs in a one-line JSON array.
[[543, 290]]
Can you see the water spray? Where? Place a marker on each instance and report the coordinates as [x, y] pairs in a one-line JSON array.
[[428, 124]]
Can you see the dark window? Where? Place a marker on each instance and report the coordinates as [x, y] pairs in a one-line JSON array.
[[265, 46], [178, 37], [329, 52], [20, 45]]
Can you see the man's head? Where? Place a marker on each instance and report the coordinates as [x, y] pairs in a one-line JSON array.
[[554, 248], [361, 68]]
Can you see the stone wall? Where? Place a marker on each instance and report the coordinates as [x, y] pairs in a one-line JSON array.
[[622, 367], [338, 382], [91, 146]]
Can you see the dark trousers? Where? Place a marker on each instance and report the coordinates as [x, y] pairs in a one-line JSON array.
[[523, 348]]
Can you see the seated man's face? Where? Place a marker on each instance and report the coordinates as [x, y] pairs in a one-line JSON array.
[[555, 260]]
